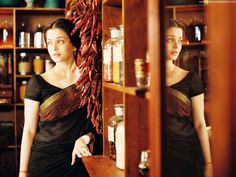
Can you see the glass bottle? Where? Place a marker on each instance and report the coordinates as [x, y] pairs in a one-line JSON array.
[[38, 65], [118, 59], [144, 164], [24, 64], [22, 90], [38, 37], [24, 36], [2, 68], [120, 145], [112, 124], [6, 34], [115, 34], [9, 65]]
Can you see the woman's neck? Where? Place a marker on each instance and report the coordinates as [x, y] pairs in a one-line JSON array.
[[66, 70]]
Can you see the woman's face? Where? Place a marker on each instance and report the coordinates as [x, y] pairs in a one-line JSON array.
[[59, 45], [173, 40]]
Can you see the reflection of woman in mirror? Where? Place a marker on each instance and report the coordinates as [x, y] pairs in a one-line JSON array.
[[188, 149]]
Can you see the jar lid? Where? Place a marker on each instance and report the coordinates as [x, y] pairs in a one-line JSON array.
[[22, 54], [115, 32], [24, 82], [37, 57], [119, 109]]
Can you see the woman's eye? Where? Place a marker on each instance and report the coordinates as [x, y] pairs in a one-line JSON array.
[[61, 41], [169, 39], [49, 43]]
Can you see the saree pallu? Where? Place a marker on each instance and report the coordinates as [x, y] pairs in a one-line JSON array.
[[184, 157], [51, 152]]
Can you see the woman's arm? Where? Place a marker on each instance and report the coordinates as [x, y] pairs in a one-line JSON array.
[[200, 127], [30, 126], [81, 148]]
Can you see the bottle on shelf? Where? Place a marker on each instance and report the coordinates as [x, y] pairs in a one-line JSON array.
[[118, 58], [195, 34], [115, 34], [38, 37], [144, 164], [112, 125], [38, 65], [120, 145], [5, 76], [24, 64], [2, 68], [24, 36], [22, 90], [6, 34], [9, 65]]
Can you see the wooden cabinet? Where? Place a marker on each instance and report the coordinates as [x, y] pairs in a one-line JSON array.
[[132, 15], [13, 112]]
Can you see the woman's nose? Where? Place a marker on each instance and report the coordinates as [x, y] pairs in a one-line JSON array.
[[54, 46], [176, 44]]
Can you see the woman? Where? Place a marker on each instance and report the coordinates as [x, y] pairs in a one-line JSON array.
[[188, 149], [56, 129]]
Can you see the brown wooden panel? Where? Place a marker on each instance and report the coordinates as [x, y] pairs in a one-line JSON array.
[[222, 97], [155, 88], [135, 36], [136, 132], [110, 97]]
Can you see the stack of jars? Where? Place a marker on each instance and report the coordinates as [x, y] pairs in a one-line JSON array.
[[113, 56], [25, 64], [116, 137], [24, 37]]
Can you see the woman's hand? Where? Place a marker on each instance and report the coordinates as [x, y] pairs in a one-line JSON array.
[[80, 149], [208, 170]]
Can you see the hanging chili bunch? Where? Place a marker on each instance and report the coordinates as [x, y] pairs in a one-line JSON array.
[[86, 15]]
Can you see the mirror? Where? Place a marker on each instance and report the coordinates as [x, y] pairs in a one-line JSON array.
[[187, 142]]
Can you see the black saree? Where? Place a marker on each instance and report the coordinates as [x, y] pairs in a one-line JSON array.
[[61, 122], [184, 156]]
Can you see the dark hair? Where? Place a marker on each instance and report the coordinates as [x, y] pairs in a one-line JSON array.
[[175, 23], [67, 26]]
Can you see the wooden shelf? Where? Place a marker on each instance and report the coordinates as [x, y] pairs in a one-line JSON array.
[[190, 7], [115, 3], [135, 91], [113, 86], [203, 43], [8, 47], [30, 48], [24, 76], [102, 166], [19, 104]]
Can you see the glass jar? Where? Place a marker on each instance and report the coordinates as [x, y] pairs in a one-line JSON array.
[[120, 145], [38, 65], [115, 34], [38, 37], [112, 124], [118, 58], [22, 90], [144, 164], [6, 34], [24, 36], [24, 64]]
